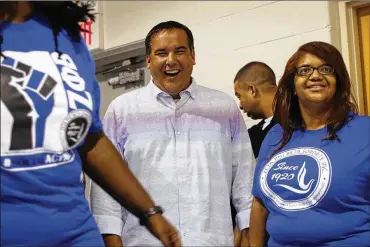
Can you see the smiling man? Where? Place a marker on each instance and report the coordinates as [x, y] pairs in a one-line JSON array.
[[186, 143], [170, 59]]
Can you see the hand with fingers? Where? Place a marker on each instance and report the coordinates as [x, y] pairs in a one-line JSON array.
[[237, 237], [163, 230]]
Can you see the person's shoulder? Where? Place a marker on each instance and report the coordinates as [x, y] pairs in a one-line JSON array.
[[218, 100], [276, 129], [123, 104], [128, 97], [356, 132], [253, 128], [275, 133], [127, 101], [79, 47], [359, 124], [359, 121], [207, 93]]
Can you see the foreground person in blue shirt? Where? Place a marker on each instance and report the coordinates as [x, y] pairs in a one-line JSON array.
[[312, 178], [50, 108]]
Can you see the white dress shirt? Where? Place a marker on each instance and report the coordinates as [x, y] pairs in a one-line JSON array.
[[191, 156], [267, 122]]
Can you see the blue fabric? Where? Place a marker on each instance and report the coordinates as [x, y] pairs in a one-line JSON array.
[[317, 192], [48, 106]]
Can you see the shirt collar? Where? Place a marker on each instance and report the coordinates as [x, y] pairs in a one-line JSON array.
[[156, 92], [267, 122]]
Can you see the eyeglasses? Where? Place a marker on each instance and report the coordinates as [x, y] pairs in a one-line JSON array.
[[308, 70]]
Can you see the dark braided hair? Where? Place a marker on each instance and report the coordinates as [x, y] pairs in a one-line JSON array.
[[61, 15]]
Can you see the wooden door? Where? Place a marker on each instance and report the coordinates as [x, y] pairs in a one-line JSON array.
[[363, 21]]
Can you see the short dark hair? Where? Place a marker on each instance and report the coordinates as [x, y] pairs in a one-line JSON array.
[[256, 72], [66, 15], [167, 25], [286, 107]]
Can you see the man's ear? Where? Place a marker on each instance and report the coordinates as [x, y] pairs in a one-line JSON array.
[[193, 56], [147, 61], [254, 91]]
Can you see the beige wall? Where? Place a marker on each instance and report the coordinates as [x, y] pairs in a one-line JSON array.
[[228, 34]]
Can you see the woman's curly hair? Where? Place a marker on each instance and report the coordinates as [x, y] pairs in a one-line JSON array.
[[65, 15]]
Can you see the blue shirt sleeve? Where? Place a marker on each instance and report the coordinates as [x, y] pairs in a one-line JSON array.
[[96, 124]]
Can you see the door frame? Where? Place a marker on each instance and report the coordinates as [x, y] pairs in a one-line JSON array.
[[350, 46]]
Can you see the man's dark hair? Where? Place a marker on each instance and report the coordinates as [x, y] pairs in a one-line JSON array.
[[256, 72], [64, 15], [168, 25]]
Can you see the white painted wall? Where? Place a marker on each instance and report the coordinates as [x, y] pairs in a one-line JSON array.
[[228, 34]]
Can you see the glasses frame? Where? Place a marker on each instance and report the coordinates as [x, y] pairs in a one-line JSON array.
[[313, 70]]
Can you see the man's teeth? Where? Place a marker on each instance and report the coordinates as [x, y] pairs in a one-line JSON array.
[[172, 72]]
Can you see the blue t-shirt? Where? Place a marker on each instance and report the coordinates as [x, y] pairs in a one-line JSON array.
[[48, 106], [317, 192]]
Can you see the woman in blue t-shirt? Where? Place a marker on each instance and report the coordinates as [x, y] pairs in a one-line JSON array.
[[50, 123], [313, 174]]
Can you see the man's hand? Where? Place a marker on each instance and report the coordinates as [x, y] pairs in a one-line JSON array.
[[237, 237], [111, 240], [164, 231], [241, 239], [244, 240]]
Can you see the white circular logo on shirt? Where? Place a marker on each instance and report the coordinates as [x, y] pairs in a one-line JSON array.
[[74, 128], [296, 179]]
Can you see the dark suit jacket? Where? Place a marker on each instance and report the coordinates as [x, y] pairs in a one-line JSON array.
[[256, 135]]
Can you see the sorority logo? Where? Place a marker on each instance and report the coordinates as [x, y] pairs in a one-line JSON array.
[[74, 128], [46, 106], [296, 179]]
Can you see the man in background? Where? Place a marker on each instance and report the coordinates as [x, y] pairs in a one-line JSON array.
[[255, 86]]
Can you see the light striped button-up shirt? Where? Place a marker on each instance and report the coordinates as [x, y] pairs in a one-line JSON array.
[[192, 156]]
